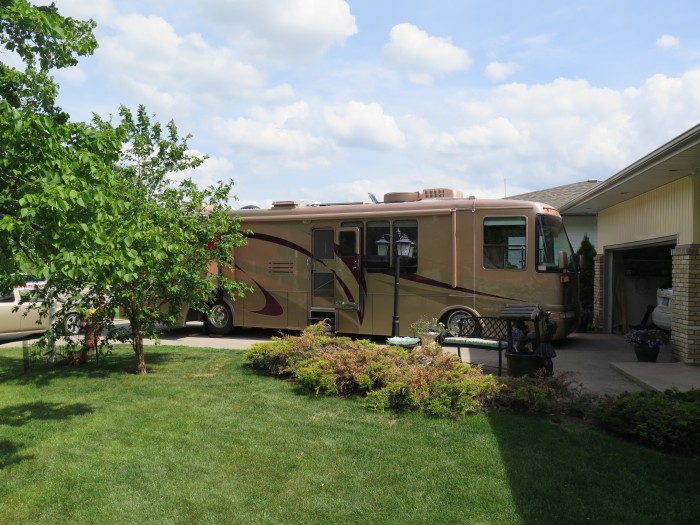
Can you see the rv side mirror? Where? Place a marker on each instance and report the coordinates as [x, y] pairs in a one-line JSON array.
[[563, 260], [581, 262]]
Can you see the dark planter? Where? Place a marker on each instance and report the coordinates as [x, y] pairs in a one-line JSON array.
[[646, 354], [523, 364]]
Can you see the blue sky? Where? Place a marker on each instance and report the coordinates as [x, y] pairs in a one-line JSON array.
[[328, 100]]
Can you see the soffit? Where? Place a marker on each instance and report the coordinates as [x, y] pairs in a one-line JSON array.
[[672, 161]]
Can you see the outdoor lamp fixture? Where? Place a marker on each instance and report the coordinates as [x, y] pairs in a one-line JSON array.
[[383, 246], [403, 247]]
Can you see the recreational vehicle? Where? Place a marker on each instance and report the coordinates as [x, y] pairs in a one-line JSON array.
[[468, 257]]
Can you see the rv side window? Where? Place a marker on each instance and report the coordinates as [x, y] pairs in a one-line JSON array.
[[377, 231], [346, 241], [408, 228], [360, 226], [504, 242]]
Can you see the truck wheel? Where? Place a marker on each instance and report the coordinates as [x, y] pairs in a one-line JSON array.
[[72, 324], [219, 319]]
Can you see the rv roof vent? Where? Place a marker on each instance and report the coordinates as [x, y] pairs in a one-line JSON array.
[[441, 193], [406, 196], [285, 204]]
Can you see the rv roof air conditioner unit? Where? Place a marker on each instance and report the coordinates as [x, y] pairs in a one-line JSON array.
[[285, 204], [441, 193], [406, 196]]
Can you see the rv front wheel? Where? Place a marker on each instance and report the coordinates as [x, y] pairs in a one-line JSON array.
[[219, 319], [463, 318]]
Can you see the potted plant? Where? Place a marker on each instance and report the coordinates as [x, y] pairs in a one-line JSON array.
[[647, 342], [427, 329], [522, 358]]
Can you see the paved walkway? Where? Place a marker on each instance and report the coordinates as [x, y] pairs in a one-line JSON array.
[[601, 363]]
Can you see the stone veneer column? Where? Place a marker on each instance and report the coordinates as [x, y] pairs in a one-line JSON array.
[[599, 293], [686, 303]]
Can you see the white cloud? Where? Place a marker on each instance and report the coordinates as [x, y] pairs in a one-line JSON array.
[[274, 139], [282, 31], [270, 132], [156, 65], [498, 71], [667, 42], [422, 56], [359, 124]]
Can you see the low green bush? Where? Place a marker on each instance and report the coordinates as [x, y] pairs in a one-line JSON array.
[[668, 421], [542, 394], [425, 379]]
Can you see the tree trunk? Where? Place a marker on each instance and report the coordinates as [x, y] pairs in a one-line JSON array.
[[138, 349]]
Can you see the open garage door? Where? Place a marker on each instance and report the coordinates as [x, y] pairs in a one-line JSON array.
[[634, 275]]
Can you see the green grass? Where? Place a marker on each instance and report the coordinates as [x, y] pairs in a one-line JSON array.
[[204, 440]]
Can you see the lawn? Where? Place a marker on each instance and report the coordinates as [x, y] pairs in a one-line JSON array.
[[204, 440]]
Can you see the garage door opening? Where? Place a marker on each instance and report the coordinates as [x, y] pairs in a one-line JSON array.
[[635, 276]]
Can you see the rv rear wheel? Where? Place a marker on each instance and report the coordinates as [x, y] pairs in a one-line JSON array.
[[219, 319], [461, 317]]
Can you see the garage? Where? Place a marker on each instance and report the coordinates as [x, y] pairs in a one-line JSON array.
[[648, 228], [636, 273]]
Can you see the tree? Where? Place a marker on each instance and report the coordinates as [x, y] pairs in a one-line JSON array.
[[89, 206], [159, 248], [587, 252], [46, 162]]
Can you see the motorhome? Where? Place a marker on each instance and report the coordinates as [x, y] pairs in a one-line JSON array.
[[466, 258]]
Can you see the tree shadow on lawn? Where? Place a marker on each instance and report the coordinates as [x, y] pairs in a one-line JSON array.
[[10, 454], [560, 474], [24, 413], [118, 362], [18, 415]]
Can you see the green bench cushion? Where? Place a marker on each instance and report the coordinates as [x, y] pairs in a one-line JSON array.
[[474, 342]]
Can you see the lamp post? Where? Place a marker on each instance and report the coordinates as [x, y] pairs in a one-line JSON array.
[[403, 247]]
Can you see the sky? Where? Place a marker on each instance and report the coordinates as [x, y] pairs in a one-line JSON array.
[[330, 100]]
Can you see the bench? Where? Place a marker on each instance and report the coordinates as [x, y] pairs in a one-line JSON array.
[[496, 333]]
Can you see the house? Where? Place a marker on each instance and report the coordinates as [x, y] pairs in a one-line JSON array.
[[648, 238], [578, 223]]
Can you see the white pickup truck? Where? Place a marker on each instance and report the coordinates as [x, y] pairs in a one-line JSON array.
[[16, 323]]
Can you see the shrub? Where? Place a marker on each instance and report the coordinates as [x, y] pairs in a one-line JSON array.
[[426, 379], [283, 354], [668, 421], [542, 394]]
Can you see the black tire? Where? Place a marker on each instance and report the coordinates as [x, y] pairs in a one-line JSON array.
[[72, 324], [219, 319], [455, 318]]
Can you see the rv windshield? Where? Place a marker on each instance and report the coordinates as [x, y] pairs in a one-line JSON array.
[[552, 239]]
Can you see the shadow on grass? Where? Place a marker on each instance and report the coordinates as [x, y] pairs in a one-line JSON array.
[[18, 415], [22, 414], [560, 474], [118, 362], [10, 454]]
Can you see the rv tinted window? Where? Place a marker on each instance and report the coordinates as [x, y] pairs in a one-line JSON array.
[[347, 243], [409, 229], [375, 231], [504, 242], [356, 224]]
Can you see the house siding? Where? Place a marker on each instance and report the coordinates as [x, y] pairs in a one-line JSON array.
[[663, 212]]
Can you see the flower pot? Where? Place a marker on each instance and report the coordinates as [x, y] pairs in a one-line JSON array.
[[428, 337], [646, 354], [523, 364]]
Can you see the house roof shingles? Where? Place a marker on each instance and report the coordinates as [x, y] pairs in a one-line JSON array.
[[559, 196]]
